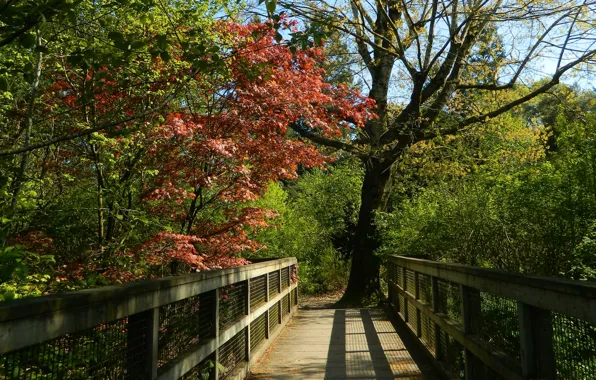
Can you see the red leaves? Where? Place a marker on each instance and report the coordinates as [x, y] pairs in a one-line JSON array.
[[221, 146]]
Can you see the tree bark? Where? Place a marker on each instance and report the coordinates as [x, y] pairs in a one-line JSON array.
[[364, 274]]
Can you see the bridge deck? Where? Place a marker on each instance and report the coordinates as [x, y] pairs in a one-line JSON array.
[[343, 344]]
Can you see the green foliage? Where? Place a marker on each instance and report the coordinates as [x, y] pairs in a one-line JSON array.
[[317, 214], [504, 200]]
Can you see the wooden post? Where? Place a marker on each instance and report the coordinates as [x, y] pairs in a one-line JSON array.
[[267, 334], [216, 332], [404, 282], [267, 287], [417, 295], [536, 342], [435, 305], [141, 325], [472, 316], [404, 286], [247, 309]]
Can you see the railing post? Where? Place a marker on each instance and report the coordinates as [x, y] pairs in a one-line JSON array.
[[216, 332], [471, 315], [536, 342], [247, 309], [267, 300], [404, 286], [434, 282], [142, 364], [417, 295]]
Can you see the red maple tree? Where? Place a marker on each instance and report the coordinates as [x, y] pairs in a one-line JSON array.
[[221, 146]]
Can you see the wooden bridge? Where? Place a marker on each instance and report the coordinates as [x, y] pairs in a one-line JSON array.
[[444, 321]]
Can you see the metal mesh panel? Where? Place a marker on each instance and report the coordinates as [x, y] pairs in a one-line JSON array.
[[499, 324], [202, 371], [410, 285], [574, 343], [391, 272], [427, 329], [452, 356], [449, 298], [412, 319], [258, 331], [285, 277], [258, 291], [273, 317], [425, 288], [183, 324], [295, 296], [232, 303], [402, 305], [285, 306], [398, 276], [232, 353], [273, 284], [101, 352]]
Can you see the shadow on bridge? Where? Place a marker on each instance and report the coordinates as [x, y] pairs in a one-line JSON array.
[[344, 344], [366, 345]]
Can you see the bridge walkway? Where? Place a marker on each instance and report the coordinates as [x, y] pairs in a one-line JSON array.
[[343, 344]]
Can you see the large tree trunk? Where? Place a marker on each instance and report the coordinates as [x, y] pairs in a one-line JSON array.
[[364, 274]]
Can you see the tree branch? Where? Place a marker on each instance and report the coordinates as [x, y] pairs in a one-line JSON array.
[[318, 139]]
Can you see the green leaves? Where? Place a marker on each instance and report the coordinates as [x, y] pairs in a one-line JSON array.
[[28, 40], [3, 86]]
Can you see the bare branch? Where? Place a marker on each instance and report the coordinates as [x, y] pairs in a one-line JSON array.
[[318, 139]]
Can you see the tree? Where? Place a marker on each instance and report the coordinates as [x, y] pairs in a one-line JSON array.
[[435, 53], [150, 190]]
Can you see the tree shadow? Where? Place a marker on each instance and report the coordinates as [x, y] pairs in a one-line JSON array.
[[358, 349]]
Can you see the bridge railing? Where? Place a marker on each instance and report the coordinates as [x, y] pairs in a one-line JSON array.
[[197, 326], [488, 324]]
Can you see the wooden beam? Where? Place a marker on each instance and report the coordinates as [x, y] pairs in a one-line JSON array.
[[500, 363], [573, 298]]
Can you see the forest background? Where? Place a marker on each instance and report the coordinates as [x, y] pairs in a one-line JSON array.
[[141, 139]]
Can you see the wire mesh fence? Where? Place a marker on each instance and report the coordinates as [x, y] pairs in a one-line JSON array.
[[574, 344], [399, 276], [402, 306], [121, 349], [107, 351], [449, 300], [285, 278], [185, 324], [391, 272], [273, 317], [273, 284], [285, 306], [425, 288], [412, 318], [499, 324], [258, 291], [427, 333], [232, 303], [258, 332], [493, 322], [410, 284], [232, 353], [205, 370], [451, 356]]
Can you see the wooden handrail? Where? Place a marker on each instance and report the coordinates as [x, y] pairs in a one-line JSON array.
[[535, 299], [28, 323]]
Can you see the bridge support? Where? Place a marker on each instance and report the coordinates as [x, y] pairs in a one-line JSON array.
[[472, 315], [536, 341]]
